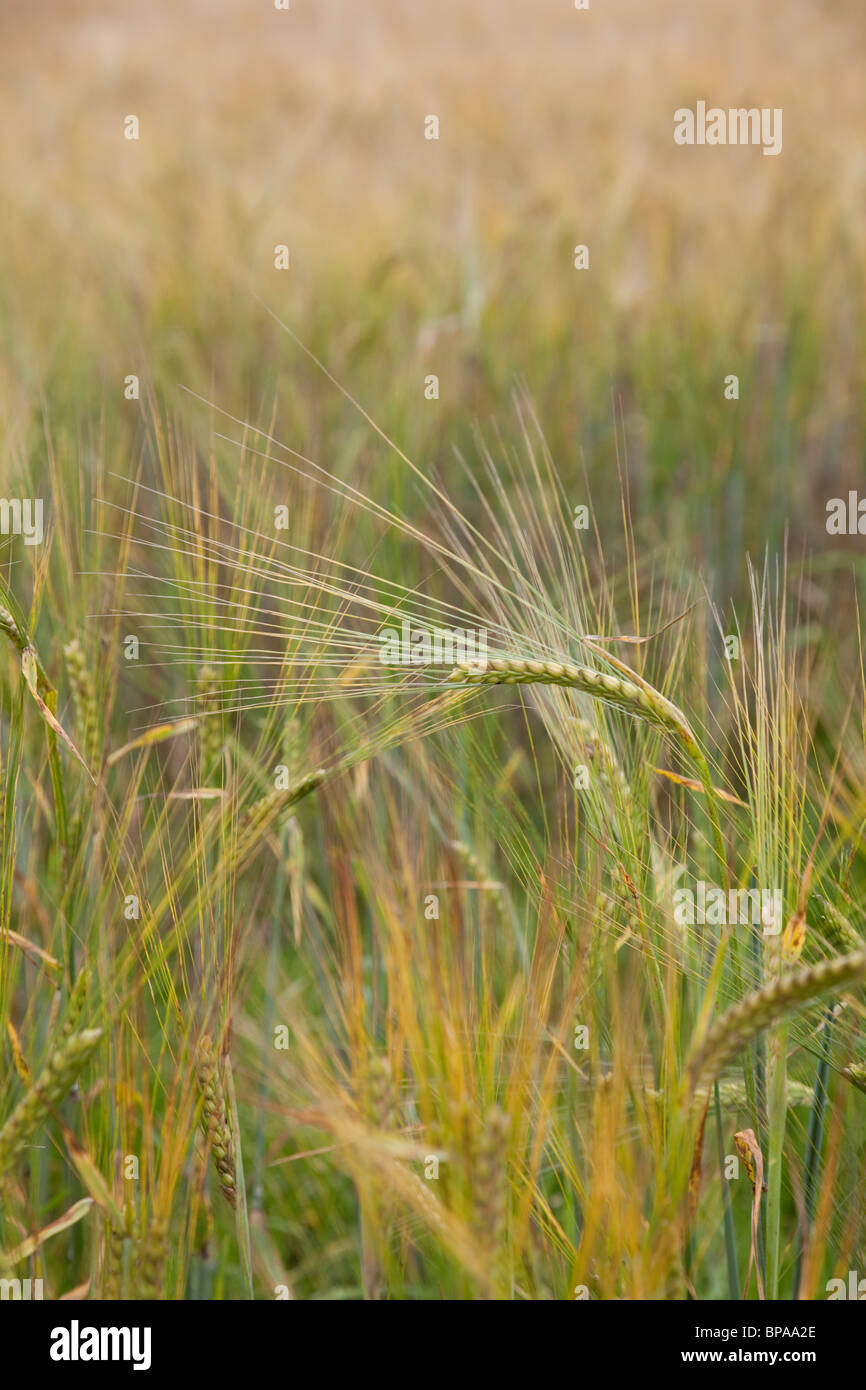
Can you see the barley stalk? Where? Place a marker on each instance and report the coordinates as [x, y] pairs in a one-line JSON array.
[[766, 1006]]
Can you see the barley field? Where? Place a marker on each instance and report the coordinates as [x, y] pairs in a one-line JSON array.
[[432, 695]]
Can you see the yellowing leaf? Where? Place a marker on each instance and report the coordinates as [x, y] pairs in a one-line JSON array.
[[29, 1246], [77, 1294], [92, 1178], [695, 786], [746, 1145], [31, 949], [30, 673]]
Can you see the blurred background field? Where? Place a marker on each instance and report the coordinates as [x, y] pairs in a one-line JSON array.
[[409, 256], [412, 257]]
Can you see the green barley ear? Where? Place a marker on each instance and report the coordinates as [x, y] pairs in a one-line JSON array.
[[601, 758], [9, 625], [55, 1080], [856, 1074], [77, 1000], [836, 928], [84, 701], [294, 852], [489, 1184], [16, 630], [112, 1262], [293, 747], [118, 1256], [380, 1092], [489, 1193], [732, 1094], [635, 697], [152, 1257], [642, 700], [479, 871], [215, 1119], [764, 1007], [263, 812], [211, 729]]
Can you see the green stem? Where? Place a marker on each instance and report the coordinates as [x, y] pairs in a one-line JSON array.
[[242, 1219], [778, 1114], [814, 1144], [730, 1232]]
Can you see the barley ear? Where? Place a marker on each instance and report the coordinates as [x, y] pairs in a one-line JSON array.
[[215, 1119], [490, 1194], [635, 697], [738, 1025], [263, 813], [836, 928], [56, 1078], [84, 701], [856, 1074], [9, 625], [77, 1001], [380, 1092], [489, 1183], [211, 731]]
